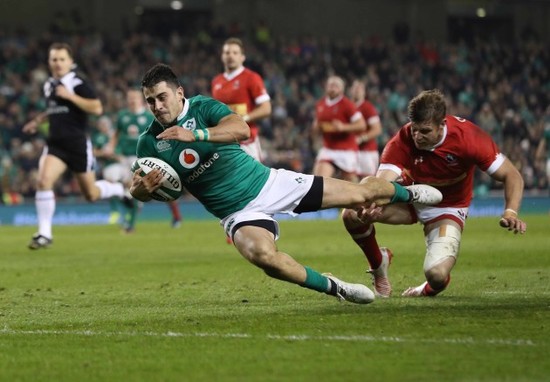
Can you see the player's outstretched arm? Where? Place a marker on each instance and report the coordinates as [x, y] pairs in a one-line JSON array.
[[513, 193], [261, 111], [32, 126], [231, 128]]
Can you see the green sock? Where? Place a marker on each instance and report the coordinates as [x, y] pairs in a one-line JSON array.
[[114, 204], [132, 214], [316, 281], [401, 194]]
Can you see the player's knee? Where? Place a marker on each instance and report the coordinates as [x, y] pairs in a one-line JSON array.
[[443, 244], [437, 277], [266, 259], [257, 252], [350, 219]]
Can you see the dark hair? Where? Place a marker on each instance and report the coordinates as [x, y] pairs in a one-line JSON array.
[[61, 46], [160, 73], [428, 106]]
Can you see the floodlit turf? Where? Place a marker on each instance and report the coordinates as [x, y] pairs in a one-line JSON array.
[[182, 305]]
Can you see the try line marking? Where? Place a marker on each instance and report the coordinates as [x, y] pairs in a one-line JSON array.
[[289, 337]]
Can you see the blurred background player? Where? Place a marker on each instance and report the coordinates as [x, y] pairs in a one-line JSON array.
[[337, 117], [131, 122], [101, 136], [543, 150], [70, 98], [368, 155], [443, 151], [243, 90]]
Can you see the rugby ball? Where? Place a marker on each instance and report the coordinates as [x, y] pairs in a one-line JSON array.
[[171, 187]]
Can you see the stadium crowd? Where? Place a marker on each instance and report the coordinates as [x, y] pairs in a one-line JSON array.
[[504, 88]]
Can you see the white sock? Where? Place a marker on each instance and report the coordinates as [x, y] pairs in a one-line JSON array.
[[45, 208], [108, 189]]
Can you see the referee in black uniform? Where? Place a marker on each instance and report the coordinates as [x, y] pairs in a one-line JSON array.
[[70, 98]]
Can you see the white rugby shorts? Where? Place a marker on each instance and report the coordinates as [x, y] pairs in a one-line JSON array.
[[428, 214], [345, 160], [120, 171], [367, 162], [282, 193]]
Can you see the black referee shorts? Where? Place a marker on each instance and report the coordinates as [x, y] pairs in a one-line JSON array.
[[76, 153]]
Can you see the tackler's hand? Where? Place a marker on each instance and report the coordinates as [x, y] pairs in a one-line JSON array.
[[369, 214], [511, 221]]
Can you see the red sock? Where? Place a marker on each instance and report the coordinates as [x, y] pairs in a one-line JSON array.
[[174, 208], [365, 237], [429, 291]]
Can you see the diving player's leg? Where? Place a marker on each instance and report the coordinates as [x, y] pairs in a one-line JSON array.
[[339, 193], [255, 241]]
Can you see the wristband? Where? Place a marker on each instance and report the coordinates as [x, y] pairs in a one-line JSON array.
[[511, 210], [201, 135]]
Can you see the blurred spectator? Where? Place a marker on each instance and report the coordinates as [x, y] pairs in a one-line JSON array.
[[487, 120]]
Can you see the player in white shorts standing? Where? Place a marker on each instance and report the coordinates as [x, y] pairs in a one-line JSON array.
[[199, 137], [337, 117], [441, 150], [368, 157]]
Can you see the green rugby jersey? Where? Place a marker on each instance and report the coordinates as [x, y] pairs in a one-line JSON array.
[[129, 127], [220, 175], [99, 140]]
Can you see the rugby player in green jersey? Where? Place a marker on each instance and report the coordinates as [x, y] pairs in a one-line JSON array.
[[130, 123], [199, 137]]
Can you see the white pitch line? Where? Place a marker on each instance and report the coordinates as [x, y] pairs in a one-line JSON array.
[[358, 338]]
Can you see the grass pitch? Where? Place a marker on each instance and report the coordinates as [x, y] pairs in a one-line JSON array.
[[182, 305]]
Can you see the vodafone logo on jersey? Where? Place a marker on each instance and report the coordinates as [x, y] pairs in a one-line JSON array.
[[189, 158]]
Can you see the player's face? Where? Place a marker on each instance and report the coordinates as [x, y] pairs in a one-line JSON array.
[[134, 98], [334, 88], [426, 135], [232, 57], [60, 62], [165, 102], [357, 91]]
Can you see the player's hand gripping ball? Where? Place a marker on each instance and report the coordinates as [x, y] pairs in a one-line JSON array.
[[171, 187]]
